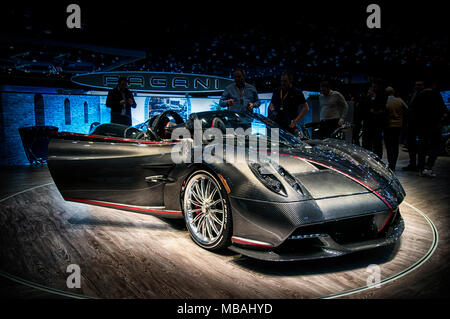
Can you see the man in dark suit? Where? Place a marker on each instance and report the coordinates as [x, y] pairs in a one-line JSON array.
[[430, 112], [120, 100], [375, 118]]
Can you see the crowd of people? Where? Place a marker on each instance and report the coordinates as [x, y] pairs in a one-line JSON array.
[[275, 54], [380, 114], [384, 116], [263, 51], [52, 60], [315, 51]]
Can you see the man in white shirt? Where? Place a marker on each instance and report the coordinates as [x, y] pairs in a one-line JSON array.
[[333, 110]]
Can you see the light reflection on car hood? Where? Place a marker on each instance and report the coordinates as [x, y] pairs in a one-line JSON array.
[[362, 165]]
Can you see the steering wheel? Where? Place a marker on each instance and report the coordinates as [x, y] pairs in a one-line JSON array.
[[148, 135], [162, 120]]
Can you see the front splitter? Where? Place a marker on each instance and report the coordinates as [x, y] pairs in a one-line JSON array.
[[328, 249]]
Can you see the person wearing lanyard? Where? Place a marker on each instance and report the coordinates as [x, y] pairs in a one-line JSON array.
[[285, 103], [240, 96]]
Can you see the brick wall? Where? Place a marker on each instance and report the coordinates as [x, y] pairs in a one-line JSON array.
[[17, 110], [54, 111]]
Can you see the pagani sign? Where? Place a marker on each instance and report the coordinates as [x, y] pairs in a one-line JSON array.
[[155, 81]]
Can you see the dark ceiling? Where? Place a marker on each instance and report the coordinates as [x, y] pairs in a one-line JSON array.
[[313, 40]]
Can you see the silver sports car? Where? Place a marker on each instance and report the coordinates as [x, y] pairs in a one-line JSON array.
[[319, 199]]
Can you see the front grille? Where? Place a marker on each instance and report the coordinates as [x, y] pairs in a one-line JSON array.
[[354, 230], [345, 231], [307, 246]]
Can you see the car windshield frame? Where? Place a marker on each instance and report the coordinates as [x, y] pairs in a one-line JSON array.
[[245, 120]]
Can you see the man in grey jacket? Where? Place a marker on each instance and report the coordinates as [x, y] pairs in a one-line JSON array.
[[333, 110], [240, 96]]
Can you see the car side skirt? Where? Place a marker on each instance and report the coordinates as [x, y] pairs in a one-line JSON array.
[[156, 211]]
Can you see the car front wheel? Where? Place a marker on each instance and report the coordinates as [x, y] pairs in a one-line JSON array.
[[206, 211]]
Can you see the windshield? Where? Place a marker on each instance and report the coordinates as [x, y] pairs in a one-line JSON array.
[[253, 124]]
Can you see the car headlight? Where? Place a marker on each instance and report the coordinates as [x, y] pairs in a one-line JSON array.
[[264, 173]]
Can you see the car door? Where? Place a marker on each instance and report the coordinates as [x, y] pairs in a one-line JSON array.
[[110, 171]]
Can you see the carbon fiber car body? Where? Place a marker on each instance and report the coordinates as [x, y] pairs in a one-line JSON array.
[[346, 200]]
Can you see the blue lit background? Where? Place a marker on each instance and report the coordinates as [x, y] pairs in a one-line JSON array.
[[33, 106], [27, 106]]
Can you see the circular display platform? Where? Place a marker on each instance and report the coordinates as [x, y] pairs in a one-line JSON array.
[[127, 255]]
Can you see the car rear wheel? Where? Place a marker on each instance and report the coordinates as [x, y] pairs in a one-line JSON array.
[[206, 211]]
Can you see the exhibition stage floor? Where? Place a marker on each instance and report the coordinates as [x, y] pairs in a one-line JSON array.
[[128, 255]]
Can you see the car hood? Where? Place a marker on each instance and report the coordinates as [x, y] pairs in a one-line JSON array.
[[321, 166]]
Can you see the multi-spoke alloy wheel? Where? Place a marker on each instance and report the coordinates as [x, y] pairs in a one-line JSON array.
[[206, 211]]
